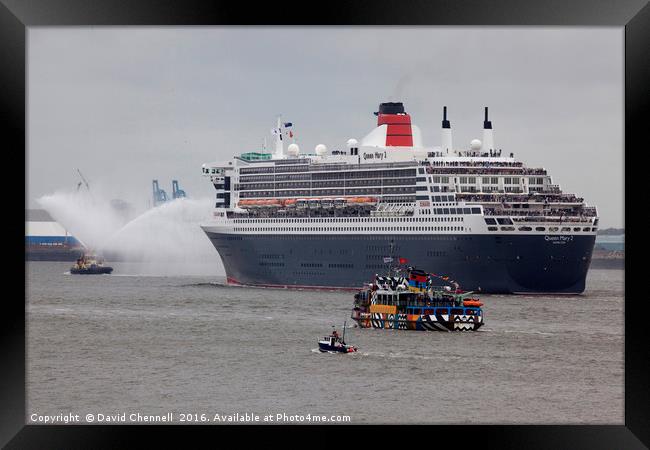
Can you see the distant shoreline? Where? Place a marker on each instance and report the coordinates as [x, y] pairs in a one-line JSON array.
[[608, 263], [611, 232]]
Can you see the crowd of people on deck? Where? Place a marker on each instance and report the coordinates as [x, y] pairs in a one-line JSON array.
[[572, 212], [488, 170], [536, 198]]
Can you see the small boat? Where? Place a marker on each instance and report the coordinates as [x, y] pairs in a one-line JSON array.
[[89, 264], [335, 343]]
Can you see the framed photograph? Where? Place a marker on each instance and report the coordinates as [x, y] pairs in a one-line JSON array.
[[380, 215]]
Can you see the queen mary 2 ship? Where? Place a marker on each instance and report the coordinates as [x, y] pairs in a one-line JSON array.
[[333, 219]]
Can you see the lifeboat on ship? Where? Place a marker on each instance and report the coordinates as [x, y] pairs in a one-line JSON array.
[[290, 203]]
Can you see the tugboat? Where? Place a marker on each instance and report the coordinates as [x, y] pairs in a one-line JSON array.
[[89, 264], [335, 343], [411, 300]]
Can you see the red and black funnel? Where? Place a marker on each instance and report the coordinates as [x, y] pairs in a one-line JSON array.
[[398, 133]]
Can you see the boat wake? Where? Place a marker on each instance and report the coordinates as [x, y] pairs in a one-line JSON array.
[[542, 333]]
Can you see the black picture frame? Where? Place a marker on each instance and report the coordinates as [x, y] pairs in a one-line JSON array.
[[634, 15]]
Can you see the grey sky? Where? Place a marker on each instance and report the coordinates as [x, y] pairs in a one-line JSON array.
[[126, 105]]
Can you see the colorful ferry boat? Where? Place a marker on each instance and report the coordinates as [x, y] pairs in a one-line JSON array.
[[415, 302]]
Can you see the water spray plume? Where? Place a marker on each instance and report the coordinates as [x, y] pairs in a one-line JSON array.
[[167, 238]]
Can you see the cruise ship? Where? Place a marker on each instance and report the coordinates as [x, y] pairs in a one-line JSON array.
[[333, 219]]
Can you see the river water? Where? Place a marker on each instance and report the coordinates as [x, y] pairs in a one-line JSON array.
[[135, 344]]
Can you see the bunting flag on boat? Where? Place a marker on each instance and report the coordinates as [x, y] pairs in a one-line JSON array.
[[446, 278], [403, 260], [388, 259], [288, 124], [419, 277]]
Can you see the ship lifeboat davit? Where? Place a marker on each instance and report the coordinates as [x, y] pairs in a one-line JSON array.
[[340, 202]]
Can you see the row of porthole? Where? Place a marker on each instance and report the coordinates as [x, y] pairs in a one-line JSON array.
[[319, 229], [352, 220]]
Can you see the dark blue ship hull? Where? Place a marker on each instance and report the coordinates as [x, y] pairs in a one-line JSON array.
[[486, 263]]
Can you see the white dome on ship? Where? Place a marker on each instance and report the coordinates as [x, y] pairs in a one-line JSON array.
[[320, 149], [352, 143], [293, 150], [475, 144]]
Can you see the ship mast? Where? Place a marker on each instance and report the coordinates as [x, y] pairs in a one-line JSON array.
[[279, 145]]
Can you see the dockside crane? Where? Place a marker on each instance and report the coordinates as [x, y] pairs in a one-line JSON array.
[[177, 192], [83, 181], [159, 195]]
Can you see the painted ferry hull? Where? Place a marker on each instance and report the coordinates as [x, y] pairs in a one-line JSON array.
[[430, 322], [486, 263]]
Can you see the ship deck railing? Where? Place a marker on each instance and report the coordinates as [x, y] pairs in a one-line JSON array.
[[534, 219], [513, 198], [480, 171], [475, 163], [542, 215]]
